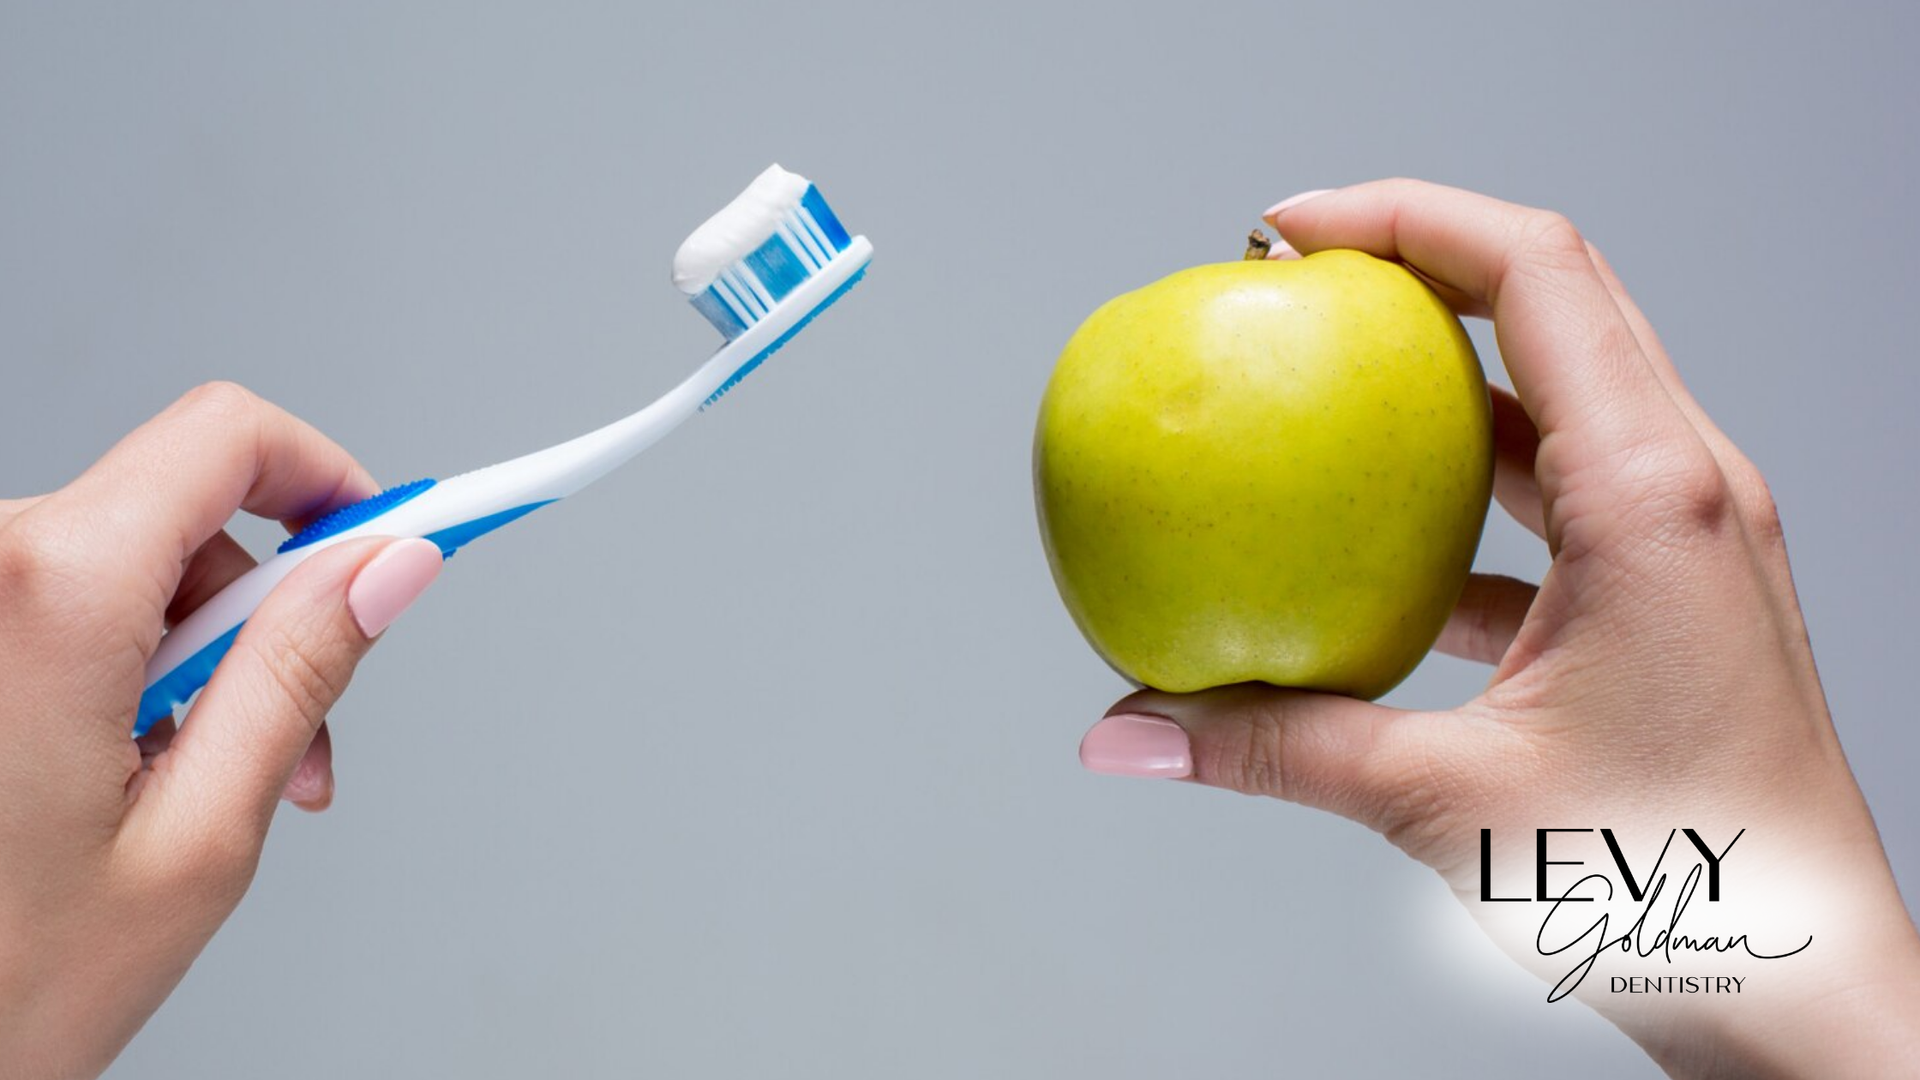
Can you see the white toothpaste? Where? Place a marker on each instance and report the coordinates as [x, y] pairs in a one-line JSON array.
[[733, 233]]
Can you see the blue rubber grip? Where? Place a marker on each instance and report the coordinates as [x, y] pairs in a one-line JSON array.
[[171, 690], [359, 513]]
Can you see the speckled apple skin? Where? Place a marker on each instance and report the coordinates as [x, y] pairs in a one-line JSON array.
[[1266, 471]]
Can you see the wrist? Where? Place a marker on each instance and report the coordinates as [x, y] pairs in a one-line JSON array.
[[50, 1028], [1854, 1018]]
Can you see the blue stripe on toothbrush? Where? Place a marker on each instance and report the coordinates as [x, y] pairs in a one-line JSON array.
[[172, 690], [822, 216], [452, 539], [759, 357], [176, 686]]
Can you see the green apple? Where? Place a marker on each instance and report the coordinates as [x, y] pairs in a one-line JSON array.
[[1270, 471]]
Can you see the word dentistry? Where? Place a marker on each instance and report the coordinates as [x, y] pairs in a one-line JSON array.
[[1676, 984], [1580, 919]]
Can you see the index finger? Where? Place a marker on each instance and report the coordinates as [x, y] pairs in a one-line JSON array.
[[1572, 355], [1606, 419], [139, 513]]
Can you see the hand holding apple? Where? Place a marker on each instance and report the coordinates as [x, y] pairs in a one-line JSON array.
[[1659, 677]]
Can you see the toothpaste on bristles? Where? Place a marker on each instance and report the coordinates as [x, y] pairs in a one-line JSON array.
[[745, 259]]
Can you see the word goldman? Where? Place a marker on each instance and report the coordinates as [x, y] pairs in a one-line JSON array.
[[1562, 930]]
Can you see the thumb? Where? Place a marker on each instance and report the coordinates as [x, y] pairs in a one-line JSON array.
[[1386, 768], [253, 723]]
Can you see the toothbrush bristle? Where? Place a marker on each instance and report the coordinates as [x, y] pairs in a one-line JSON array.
[[803, 242]]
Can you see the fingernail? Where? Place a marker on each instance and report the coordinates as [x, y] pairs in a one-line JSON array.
[[1137, 746], [390, 583], [310, 789], [1282, 250], [1289, 203]]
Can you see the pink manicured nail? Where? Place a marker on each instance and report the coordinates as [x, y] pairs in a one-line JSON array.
[[390, 583], [1137, 746], [1288, 204]]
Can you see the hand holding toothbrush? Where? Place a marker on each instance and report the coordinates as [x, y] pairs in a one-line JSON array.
[[121, 597], [123, 857]]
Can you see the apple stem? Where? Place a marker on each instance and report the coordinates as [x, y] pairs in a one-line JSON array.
[[1257, 246]]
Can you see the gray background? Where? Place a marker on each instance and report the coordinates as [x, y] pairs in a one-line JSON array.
[[758, 759]]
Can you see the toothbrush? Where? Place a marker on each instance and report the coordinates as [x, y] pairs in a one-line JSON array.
[[759, 270]]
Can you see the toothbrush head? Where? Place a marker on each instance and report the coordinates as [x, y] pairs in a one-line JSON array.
[[766, 264]]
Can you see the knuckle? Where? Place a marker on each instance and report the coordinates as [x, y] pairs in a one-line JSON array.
[[1699, 495], [1474, 619], [34, 549], [1669, 493], [22, 562], [1757, 506], [1614, 338], [225, 414], [1422, 791], [1765, 525], [1554, 232], [220, 398], [1405, 187], [308, 684], [1549, 240], [1249, 760], [1598, 258], [1253, 757], [1658, 493], [1486, 615]]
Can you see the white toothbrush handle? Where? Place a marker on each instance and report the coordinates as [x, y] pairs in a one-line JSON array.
[[449, 512], [452, 512]]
